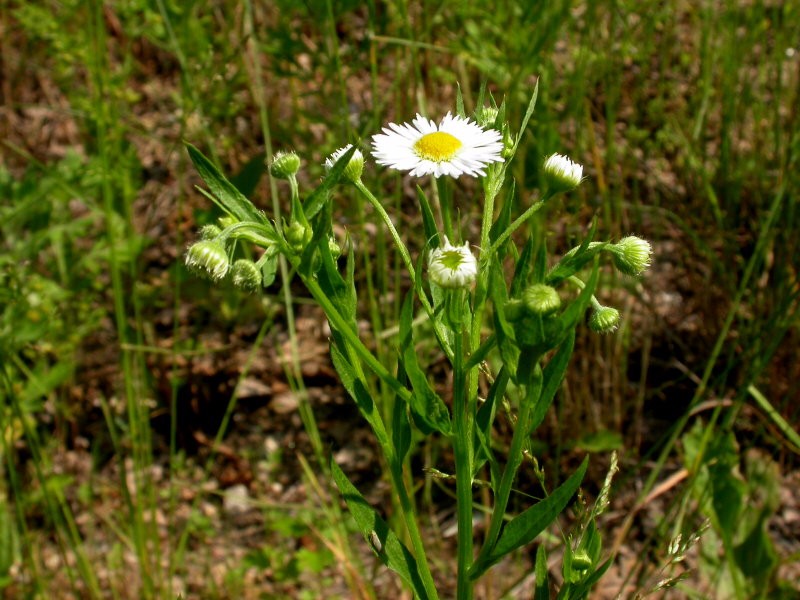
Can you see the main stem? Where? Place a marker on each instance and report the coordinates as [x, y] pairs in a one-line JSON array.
[[462, 445]]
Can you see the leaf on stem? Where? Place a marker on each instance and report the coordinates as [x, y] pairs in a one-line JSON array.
[[230, 199], [426, 405], [322, 193], [523, 528], [553, 375], [388, 548]]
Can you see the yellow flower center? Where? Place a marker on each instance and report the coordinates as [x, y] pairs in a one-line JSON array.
[[437, 147]]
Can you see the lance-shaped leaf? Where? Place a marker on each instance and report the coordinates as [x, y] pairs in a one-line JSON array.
[[388, 548], [523, 528], [426, 405], [553, 376], [230, 199]]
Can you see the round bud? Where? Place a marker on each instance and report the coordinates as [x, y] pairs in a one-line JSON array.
[[632, 255], [604, 319], [334, 247], [298, 235], [541, 299], [209, 258], [245, 275], [209, 232], [284, 165], [452, 266], [581, 561], [487, 116]]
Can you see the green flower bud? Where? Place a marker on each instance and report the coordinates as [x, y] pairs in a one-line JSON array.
[[581, 560], [541, 299], [227, 221], [508, 143], [209, 258], [632, 255], [487, 116], [209, 232], [604, 319], [334, 247], [284, 165], [246, 275], [298, 235], [561, 173], [354, 168]]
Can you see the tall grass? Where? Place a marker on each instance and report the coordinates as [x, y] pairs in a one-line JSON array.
[[687, 120]]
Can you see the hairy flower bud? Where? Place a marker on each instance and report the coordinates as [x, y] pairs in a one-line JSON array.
[[604, 319], [352, 172], [486, 116], [298, 235], [209, 258], [209, 232], [541, 299], [561, 173], [284, 165], [632, 255], [452, 266], [246, 275]]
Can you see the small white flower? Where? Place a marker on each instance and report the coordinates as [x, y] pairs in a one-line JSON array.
[[354, 168], [562, 173], [452, 266], [454, 147]]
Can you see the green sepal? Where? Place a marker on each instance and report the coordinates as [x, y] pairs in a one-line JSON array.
[[429, 410], [224, 193], [523, 528], [389, 549]]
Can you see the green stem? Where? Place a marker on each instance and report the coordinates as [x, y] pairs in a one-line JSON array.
[[462, 445], [412, 273], [503, 238], [395, 466]]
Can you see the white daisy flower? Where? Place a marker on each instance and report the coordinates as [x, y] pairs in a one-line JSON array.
[[454, 147], [452, 266], [562, 173]]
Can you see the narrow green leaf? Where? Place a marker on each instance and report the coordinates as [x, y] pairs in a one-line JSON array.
[[357, 390], [426, 404], [523, 528], [401, 424], [542, 590], [387, 547], [528, 115], [483, 424], [522, 269], [233, 201], [460, 102], [506, 344], [428, 221], [553, 376]]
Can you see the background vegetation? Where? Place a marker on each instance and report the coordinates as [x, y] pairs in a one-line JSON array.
[[152, 425]]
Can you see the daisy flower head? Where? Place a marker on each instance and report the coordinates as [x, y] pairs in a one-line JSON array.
[[451, 266], [454, 147], [352, 172]]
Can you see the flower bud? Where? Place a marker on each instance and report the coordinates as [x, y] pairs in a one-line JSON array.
[[452, 266], [561, 174], [208, 257], [508, 142], [352, 172], [632, 255], [604, 319], [246, 275], [541, 299], [334, 248], [298, 235], [284, 165], [227, 221], [209, 232], [581, 560], [487, 116]]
